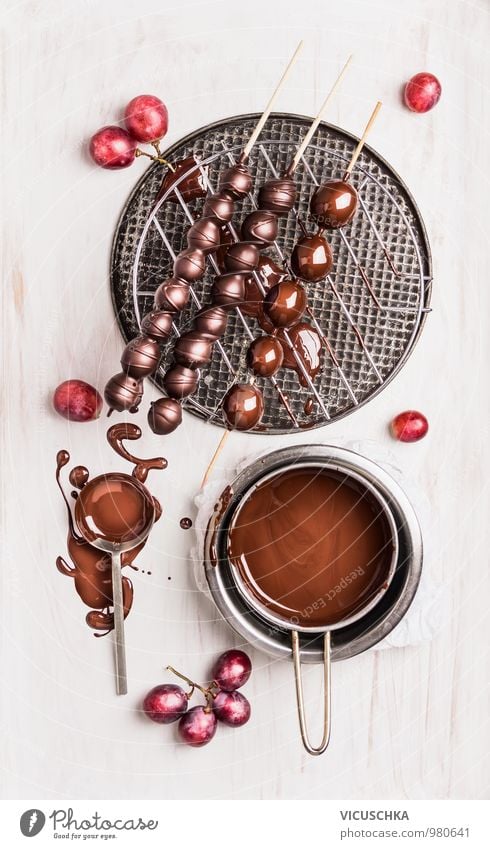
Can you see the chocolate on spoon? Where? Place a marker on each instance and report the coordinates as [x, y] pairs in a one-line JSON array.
[[114, 513]]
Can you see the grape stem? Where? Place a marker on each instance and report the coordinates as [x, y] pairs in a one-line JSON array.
[[158, 158], [208, 692]]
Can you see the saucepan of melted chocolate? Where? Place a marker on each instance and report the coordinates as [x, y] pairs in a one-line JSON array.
[[311, 547]]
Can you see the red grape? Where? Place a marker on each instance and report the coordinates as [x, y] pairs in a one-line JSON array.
[[232, 708], [422, 92], [77, 401], [232, 670], [146, 118], [165, 703], [112, 147], [198, 726], [409, 426]]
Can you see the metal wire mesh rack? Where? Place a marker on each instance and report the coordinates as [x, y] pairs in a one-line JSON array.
[[366, 339]]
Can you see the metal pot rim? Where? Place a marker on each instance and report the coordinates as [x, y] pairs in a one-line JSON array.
[[278, 621], [408, 569]]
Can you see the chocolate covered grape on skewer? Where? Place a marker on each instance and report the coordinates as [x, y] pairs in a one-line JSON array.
[[344, 309], [227, 293], [332, 206], [243, 405], [334, 203], [275, 198], [140, 359], [321, 262]]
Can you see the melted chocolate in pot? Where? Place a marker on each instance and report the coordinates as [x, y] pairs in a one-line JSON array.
[[311, 545]]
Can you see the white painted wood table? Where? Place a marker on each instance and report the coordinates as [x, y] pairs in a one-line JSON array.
[[408, 723]]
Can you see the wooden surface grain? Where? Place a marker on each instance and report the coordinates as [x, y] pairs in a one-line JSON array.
[[408, 723]]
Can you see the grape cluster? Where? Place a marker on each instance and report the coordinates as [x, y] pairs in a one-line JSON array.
[[146, 120], [167, 703]]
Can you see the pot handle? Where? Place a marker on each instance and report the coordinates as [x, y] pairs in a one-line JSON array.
[[326, 691]]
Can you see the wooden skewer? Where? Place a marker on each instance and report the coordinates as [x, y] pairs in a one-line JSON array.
[[362, 140], [304, 144], [212, 462], [309, 135], [246, 151], [268, 109]]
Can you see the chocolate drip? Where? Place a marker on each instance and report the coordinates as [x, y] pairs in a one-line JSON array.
[[62, 458], [220, 508], [125, 430], [78, 477], [307, 343], [193, 186]]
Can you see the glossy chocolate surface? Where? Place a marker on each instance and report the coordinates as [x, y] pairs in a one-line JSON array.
[[307, 343], [243, 406], [179, 381], [164, 415], [334, 204], [78, 476], [285, 303], [190, 265], [260, 226], [270, 274], [265, 356], [278, 195], [241, 257], [193, 186], [236, 180], [116, 437], [123, 392], [140, 357], [172, 295], [115, 508], [226, 241], [91, 570], [312, 259], [193, 349], [211, 321], [121, 497], [220, 205], [157, 324], [228, 289], [313, 546], [204, 234]]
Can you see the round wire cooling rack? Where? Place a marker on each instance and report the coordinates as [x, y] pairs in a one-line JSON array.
[[369, 311]]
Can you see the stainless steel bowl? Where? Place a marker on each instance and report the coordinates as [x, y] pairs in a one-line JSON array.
[[354, 636]]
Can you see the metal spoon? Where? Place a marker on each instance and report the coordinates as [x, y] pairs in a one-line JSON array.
[[116, 549]]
